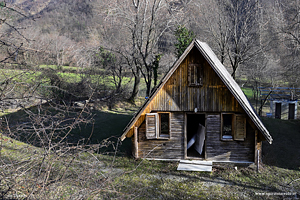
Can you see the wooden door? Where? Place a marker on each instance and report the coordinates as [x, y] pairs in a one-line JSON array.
[[278, 110], [291, 111]]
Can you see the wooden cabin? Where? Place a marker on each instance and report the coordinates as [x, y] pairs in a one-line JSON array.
[[199, 112]]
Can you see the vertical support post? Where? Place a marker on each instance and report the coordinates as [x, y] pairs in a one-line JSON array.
[[205, 153], [255, 148], [257, 151], [136, 147], [185, 137], [257, 160]]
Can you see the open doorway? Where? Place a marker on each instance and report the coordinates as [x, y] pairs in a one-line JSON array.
[[195, 128], [278, 110], [291, 111]]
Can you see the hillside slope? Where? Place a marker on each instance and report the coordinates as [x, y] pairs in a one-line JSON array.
[[285, 151]]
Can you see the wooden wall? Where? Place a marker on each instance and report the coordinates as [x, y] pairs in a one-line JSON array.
[[176, 95], [215, 148], [172, 148], [219, 150], [178, 98]]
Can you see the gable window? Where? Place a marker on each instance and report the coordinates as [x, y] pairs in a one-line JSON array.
[[233, 127], [195, 75], [158, 125]]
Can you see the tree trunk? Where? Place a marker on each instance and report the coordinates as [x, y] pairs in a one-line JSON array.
[[148, 88], [136, 86], [234, 67], [233, 74]]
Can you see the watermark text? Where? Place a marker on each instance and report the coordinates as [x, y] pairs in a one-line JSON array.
[[275, 193]]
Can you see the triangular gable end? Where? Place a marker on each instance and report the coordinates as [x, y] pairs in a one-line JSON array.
[[138, 114], [232, 86], [224, 75]]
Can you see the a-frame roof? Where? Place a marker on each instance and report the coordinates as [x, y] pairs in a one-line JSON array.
[[224, 75]]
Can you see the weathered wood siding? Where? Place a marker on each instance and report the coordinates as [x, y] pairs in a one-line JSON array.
[[219, 150], [212, 98], [172, 148], [176, 95]]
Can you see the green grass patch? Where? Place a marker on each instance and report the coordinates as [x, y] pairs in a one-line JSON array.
[[106, 125], [55, 67], [70, 77], [248, 92], [19, 75]]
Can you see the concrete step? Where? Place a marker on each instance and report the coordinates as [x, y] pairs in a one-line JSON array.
[[195, 165]]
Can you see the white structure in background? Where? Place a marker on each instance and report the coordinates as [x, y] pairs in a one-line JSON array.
[[283, 101], [283, 109]]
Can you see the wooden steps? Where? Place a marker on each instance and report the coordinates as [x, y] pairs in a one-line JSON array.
[[195, 165]]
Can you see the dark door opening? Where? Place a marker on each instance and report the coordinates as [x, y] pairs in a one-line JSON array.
[[291, 111], [193, 121], [278, 110]]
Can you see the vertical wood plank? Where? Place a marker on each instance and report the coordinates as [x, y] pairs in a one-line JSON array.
[[136, 145], [185, 136]]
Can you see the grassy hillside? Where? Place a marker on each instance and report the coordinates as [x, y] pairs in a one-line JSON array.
[[285, 151]]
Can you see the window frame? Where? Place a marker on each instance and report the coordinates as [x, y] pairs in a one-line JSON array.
[[222, 125], [153, 125], [157, 117], [195, 70], [236, 134]]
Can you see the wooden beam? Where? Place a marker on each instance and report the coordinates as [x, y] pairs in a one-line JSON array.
[[185, 136], [136, 147], [258, 149]]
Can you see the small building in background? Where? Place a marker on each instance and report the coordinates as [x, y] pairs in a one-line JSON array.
[[283, 109], [283, 102]]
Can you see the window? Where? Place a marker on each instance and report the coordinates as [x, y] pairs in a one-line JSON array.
[[195, 75], [233, 127], [227, 126], [158, 125], [164, 124]]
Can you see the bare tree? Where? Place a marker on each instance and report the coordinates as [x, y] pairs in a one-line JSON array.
[[234, 27], [43, 161], [142, 24], [289, 31]]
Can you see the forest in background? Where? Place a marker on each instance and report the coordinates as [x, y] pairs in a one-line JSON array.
[[258, 41]]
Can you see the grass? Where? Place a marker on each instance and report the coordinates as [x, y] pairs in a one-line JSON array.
[[63, 68], [142, 179], [248, 92], [102, 176], [69, 76], [106, 125], [284, 152], [19, 75]]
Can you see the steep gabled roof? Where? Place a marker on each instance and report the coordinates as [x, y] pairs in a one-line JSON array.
[[222, 72]]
